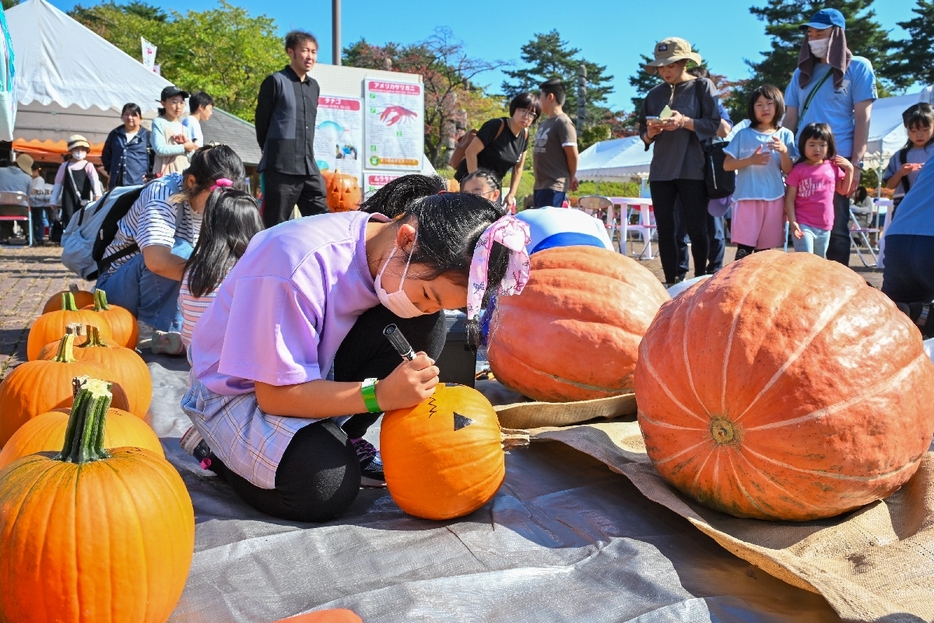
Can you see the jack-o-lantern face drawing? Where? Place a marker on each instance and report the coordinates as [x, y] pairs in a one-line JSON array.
[[443, 458]]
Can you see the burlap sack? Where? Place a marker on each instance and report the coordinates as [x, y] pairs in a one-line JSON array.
[[874, 564], [517, 411]]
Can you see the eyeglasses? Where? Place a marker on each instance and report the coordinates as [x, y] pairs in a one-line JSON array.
[[528, 113]]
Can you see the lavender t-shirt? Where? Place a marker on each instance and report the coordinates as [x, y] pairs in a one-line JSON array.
[[283, 311]]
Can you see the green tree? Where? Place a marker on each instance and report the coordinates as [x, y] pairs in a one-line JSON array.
[[448, 74], [864, 37], [548, 56], [223, 51], [8, 4], [916, 53]]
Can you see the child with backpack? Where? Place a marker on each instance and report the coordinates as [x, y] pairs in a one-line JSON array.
[[76, 185], [231, 219], [904, 166], [141, 269], [760, 154], [810, 187]]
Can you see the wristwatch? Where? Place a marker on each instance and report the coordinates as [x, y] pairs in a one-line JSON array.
[[861, 165]]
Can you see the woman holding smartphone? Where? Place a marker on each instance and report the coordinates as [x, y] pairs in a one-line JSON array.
[[677, 115]]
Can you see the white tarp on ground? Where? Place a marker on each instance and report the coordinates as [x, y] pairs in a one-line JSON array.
[[71, 81]]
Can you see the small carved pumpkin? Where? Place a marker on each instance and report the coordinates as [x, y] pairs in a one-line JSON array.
[[343, 192], [443, 458]]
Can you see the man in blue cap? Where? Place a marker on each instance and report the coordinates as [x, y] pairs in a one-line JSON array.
[[834, 87]]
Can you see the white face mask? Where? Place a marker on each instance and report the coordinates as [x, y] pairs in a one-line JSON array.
[[79, 155], [819, 47], [397, 302]]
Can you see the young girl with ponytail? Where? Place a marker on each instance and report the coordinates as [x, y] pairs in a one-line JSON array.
[[292, 345]]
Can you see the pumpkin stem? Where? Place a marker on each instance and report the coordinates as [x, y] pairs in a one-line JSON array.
[[66, 349], [68, 302], [84, 435], [100, 300], [514, 438], [725, 432], [94, 338]]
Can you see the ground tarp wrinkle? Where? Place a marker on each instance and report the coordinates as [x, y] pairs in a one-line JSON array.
[[565, 539]]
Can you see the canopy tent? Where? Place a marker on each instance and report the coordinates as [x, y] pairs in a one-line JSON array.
[[887, 133], [616, 160], [70, 81]]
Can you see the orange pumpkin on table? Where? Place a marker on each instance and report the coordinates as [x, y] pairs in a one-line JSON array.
[[91, 534], [122, 323], [343, 192], [574, 331], [785, 388]]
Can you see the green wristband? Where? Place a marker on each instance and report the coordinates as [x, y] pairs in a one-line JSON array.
[[368, 390]]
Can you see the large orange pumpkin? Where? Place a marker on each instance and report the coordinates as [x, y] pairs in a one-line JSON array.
[[39, 386], [336, 615], [443, 458], [343, 192], [51, 326], [82, 298], [124, 366], [46, 432], [90, 534], [574, 332], [784, 387], [122, 323]]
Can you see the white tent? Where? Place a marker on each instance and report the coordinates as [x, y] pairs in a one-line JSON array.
[[887, 133], [69, 80], [616, 160]]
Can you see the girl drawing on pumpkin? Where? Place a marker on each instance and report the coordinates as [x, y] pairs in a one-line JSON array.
[[230, 220], [289, 364]]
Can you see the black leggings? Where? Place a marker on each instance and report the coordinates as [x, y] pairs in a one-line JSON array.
[[693, 195], [319, 474]]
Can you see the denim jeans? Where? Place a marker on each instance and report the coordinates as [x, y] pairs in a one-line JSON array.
[[151, 298], [907, 276], [814, 241]]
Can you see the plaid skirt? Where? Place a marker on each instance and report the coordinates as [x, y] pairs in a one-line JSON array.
[[248, 440]]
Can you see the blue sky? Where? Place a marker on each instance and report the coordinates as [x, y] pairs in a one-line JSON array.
[[607, 32]]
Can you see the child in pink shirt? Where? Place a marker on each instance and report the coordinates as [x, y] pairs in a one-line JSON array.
[[810, 187]]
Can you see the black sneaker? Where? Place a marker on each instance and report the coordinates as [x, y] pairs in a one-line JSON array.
[[194, 444], [371, 464]]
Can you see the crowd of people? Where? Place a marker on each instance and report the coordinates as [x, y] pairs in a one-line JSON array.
[[282, 319]]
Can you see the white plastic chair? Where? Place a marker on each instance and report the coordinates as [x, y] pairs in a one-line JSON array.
[[603, 208], [646, 228], [859, 237], [14, 207]]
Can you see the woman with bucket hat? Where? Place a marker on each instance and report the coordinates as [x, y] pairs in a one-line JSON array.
[[76, 185], [677, 116], [833, 86]]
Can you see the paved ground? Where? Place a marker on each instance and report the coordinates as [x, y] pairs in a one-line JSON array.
[[28, 277]]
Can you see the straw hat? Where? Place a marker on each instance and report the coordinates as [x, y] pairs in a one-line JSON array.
[[76, 140], [671, 50], [25, 162]]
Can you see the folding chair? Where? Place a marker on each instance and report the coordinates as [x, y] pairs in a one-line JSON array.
[[603, 208], [14, 207], [860, 235], [645, 226]]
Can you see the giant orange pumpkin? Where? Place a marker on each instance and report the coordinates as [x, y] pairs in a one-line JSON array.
[[46, 432], [82, 298], [124, 367], [574, 332], [51, 326], [343, 192], [784, 387], [39, 386], [90, 534], [443, 458], [122, 323]]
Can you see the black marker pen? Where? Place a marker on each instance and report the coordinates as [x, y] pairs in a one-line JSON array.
[[402, 346]]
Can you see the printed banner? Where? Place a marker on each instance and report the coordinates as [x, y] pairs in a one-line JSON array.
[[395, 125], [339, 135], [375, 181], [149, 55]]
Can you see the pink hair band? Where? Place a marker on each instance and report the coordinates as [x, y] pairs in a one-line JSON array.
[[221, 183]]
